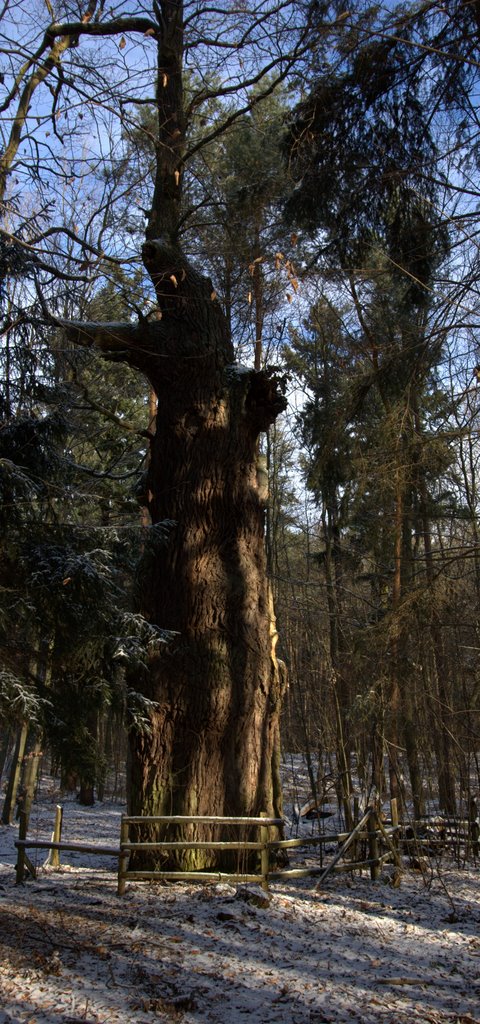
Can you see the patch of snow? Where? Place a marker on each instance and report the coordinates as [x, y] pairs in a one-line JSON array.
[[357, 951]]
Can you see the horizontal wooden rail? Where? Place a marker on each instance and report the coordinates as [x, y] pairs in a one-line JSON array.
[[23, 845], [325, 838], [192, 876], [201, 819], [194, 844], [312, 872], [44, 844]]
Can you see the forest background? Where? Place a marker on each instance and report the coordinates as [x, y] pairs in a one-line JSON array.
[[329, 191]]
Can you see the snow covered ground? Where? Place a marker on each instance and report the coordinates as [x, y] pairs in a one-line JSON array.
[[71, 950]]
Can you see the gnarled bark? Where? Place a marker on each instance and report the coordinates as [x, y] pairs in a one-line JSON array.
[[213, 745]]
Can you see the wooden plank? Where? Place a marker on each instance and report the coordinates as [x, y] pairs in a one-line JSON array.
[[292, 844], [288, 844], [40, 844], [194, 845], [294, 873], [359, 865], [181, 819], [190, 876], [351, 865]]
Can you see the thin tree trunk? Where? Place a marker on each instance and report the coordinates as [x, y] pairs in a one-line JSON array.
[[394, 695], [410, 734], [439, 672], [30, 777], [340, 700], [15, 775], [5, 743]]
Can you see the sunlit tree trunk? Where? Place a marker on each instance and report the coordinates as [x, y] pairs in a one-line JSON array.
[[212, 746], [15, 775]]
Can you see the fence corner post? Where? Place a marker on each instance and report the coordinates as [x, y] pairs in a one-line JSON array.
[[265, 854]]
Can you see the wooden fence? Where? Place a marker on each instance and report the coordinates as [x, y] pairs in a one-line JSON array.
[[243, 848], [370, 844], [369, 831], [434, 834], [54, 845]]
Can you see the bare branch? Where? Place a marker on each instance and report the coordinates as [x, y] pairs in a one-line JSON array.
[[116, 27], [113, 340]]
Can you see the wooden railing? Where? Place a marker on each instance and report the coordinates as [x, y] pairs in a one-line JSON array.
[[376, 842], [242, 847], [369, 831], [55, 845]]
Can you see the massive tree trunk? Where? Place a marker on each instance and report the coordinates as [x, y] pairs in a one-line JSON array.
[[213, 745]]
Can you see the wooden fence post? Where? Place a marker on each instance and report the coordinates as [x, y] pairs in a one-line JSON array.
[[373, 845], [23, 861], [53, 859], [123, 856], [265, 853], [22, 834], [395, 839]]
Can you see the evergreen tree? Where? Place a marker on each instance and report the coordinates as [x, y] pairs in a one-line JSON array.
[[72, 449], [380, 227]]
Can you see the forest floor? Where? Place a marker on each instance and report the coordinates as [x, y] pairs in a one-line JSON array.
[[71, 950]]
